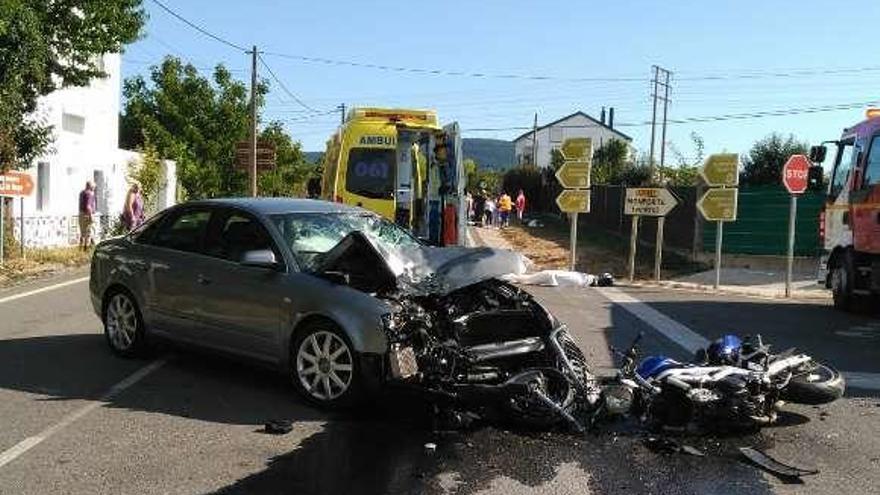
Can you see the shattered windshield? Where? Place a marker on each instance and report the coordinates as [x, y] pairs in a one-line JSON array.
[[310, 235]]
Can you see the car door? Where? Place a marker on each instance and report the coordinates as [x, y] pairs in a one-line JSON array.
[[172, 255], [242, 305]]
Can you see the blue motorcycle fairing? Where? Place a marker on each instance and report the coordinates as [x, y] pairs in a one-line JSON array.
[[652, 366]]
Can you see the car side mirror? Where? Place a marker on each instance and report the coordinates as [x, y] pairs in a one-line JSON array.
[[260, 258], [817, 153]]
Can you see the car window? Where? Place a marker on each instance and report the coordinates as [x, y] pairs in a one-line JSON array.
[[845, 159], [235, 234], [183, 232], [370, 172], [145, 232], [872, 164]]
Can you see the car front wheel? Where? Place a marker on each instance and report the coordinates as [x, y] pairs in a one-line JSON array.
[[325, 367], [123, 325]]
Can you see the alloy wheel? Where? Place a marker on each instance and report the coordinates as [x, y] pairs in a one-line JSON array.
[[121, 322], [324, 365]]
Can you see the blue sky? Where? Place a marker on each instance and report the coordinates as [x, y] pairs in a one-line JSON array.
[[562, 39]]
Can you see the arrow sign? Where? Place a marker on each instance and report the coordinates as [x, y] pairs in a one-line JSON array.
[[577, 149], [574, 200], [573, 175], [16, 184], [721, 169], [719, 205], [796, 174], [649, 201]]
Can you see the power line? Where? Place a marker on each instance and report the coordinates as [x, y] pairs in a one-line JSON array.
[[711, 118], [283, 87], [199, 28]]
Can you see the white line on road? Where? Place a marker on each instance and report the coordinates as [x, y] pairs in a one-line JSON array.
[[30, 442], [42, 289], [692, 341]]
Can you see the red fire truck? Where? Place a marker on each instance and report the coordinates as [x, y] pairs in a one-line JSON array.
[[849, 226]]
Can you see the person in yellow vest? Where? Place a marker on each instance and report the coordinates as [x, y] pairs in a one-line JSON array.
[[505, 205]]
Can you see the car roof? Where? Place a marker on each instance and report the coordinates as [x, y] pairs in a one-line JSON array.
[[273, 206]]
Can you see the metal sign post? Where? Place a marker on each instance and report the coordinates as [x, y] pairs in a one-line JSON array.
[[795, 178], [574, 176], [2, 227], [633, 243], [658, 248], [792, 219], [719, 235], [719, 203], [21, 237], [574, 240], [650, 202]]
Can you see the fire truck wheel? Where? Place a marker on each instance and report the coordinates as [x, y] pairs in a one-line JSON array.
[[842, 279]]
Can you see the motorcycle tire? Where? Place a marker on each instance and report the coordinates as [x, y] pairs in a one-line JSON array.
[[820, 385]]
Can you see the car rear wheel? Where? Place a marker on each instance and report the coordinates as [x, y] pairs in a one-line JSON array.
[[123, 325], [325, 368]]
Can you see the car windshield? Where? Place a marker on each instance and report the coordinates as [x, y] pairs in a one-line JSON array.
[[311, 234]]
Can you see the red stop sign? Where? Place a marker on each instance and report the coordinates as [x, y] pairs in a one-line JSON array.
[[796, 174]]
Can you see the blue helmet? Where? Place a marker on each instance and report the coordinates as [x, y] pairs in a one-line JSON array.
[[725, 350]]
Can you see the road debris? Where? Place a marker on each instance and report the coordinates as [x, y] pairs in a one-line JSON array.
[[278, 427], [773, 466]]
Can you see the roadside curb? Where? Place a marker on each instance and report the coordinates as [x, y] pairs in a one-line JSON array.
[[733, 290]]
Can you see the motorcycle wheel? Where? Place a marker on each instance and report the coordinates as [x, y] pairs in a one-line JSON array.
[[817, 384]]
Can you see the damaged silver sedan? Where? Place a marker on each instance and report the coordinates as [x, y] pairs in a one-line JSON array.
[[344, 302]]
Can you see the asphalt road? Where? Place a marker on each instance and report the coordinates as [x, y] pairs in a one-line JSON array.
[[75, 419]]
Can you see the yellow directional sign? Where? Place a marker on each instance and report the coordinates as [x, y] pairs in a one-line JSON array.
[[577, 149], [574, 200], [574, 175], [719, 205], [721, 169]]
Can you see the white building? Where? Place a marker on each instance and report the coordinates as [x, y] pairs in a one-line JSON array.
[[86, 132], [550, 136]]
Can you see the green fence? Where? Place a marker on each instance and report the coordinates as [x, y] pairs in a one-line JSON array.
[[762, 225]]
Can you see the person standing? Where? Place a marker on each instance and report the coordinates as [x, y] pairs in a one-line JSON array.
[[480, 207], [133, 211], [87, 207], [490, 212], [505, 205], [520, 205]]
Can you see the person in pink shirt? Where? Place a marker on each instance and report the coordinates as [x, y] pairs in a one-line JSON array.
[[520, 205]]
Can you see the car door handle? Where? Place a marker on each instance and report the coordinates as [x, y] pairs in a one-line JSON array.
[[203, 280]]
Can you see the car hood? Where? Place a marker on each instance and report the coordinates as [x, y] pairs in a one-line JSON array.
[[418, 270]]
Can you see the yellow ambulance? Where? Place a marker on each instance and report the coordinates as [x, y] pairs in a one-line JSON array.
[[401, 164]]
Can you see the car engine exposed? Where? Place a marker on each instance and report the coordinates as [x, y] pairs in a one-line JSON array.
[[489, 348]]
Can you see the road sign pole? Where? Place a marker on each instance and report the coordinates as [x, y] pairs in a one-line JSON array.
[[658, 248], [792, 217], [719, 235], [574, 239], [633, 241], [21, 237], [2, 227], [252, 164]]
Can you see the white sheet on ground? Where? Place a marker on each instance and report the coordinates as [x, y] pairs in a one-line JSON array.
[[551, 278]]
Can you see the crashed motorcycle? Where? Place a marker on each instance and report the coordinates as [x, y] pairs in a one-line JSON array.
[[732, 385], [490, 350]]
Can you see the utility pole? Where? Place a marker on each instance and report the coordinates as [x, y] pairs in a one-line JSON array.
[[535, 142], [252, 166], [341, 108], [663, 132], [653, 121]]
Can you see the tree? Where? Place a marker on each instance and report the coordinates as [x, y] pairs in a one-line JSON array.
[[556, 159], [192, 120], [609, 161], [291, 171], [150, 174], [687, 170], [765, 159], [45, 46]]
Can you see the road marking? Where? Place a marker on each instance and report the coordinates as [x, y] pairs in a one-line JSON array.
[[30, 442], [41, 290], [692, 341]]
